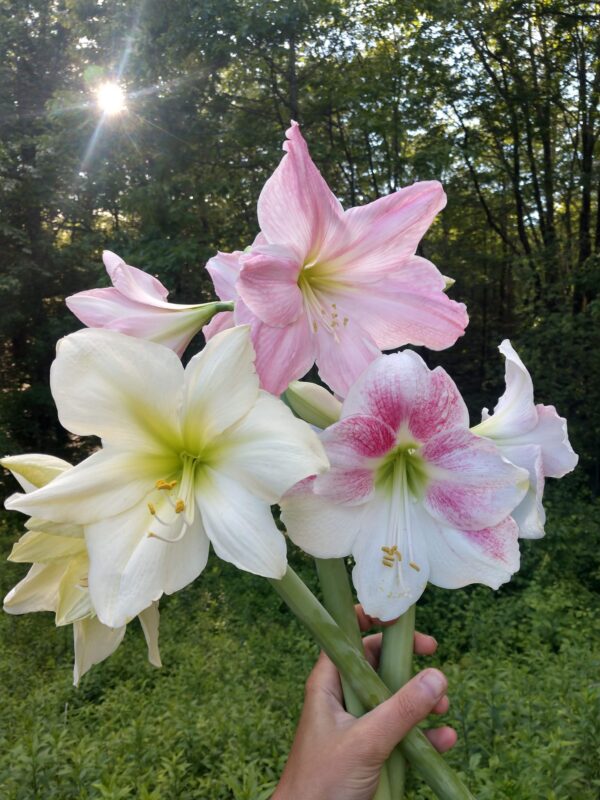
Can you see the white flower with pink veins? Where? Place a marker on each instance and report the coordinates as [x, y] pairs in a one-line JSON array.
[[412, 494]]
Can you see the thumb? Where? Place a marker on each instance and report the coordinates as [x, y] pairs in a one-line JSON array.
[[382, 728]]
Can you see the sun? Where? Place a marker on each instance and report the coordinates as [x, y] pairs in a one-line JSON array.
[[110, 98]]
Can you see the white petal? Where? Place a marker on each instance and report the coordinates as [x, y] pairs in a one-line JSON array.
[[149, 619], [93, 643], [34, 470], [321, 528], [459, 558], [221, 386], [37, 591], [529, 514], [388, 591], [36, 546], [270, 450], [105, 484], [515, 412], [240, 526], [54, 528], [550, 433], [313, 403], [73, 598], [123, 389], [129, 569]]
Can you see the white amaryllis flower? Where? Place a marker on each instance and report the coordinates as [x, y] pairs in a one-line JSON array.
[[58, 578], [411, 493], [189, 457], [531, 436]]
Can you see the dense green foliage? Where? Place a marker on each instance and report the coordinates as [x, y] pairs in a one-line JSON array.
[[217, 720]]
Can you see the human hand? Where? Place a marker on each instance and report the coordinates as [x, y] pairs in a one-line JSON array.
[[338, 757]]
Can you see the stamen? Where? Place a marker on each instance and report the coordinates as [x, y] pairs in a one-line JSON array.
[[152, 535], [152, 508], [162, 484], [179, 506], [414, 566], [84, 582], [346, 320], [315, 326]]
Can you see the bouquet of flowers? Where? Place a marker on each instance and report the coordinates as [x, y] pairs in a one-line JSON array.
[[236, 451]]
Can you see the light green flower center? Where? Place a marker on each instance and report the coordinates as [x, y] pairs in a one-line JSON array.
[[403, 464], [315, 286]]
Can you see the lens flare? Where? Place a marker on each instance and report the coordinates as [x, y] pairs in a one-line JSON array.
[[110, 98]]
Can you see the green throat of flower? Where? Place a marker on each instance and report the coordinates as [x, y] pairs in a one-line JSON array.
[[403, 466]]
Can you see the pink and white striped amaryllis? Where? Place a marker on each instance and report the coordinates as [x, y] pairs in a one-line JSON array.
[[136, 304], [531, 436], [412, 494], [334, 287]]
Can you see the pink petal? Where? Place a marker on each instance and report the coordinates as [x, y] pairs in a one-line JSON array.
[[397, 312], [458, 558], [296, 207], [134, 283], [376, 238], [220, 322], [351, 445], [282, 354], [400, 390], [343, 353], [471, 486], [268, 284], [224, 269]]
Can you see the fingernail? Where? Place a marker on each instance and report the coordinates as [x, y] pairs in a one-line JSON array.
[[434, 681]]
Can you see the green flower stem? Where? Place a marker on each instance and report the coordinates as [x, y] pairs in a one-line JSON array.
[[366, 683], [395, 669], [338, 600]]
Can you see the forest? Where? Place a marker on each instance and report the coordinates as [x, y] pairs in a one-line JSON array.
[[497, 99]]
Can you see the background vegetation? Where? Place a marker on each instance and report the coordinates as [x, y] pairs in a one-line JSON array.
[[499, 99]]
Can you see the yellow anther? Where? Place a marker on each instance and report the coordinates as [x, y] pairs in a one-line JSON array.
[[334, 323], [162, 484], [152, 508], [84, 582], [388, 549], [414, 566], [335, 314], [152, 535], [315, 325], [388, 563], [334, 305], [179, 506], [346, 320]]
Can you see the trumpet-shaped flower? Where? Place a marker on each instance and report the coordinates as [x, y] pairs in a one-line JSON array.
[[332, 286], [531, 436], [411, 493], [58, 578], [189, 457], [136, 304]]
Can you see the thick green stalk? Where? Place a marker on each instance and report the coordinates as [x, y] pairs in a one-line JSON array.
[[395, 669], [366, 683]]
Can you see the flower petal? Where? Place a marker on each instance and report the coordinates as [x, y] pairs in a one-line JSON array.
[[351, 445], [379, 236], [386, 591], [149, 620], [515, 413], [106, 483], [296, 207], [132, 282], [224, 269], [35, 469], [268, 284], [129, 569], [220, 322], [529, 514], [320, 527], [458, 558], [220, 387], [270, 450], [122, 389], [94, 642], [73, 598], [471, 486], [44, 548], [282, 354], [37, 591], [240, 526], [343, 354], [550, 434], [400, 390]]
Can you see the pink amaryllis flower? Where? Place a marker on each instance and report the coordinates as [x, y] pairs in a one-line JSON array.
[[333, 286], [412, 494], [531, 436], [136, 304]]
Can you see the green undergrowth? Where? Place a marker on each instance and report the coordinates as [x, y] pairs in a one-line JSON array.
[[217, 720]]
